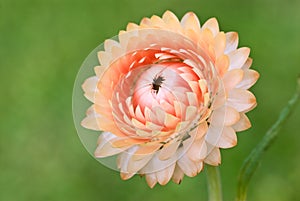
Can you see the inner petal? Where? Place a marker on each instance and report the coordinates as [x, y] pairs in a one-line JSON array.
[[154, 88]]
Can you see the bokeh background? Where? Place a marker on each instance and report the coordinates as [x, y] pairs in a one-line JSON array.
[[42, 46]]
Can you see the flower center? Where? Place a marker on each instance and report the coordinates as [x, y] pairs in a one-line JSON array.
[[159, 93]]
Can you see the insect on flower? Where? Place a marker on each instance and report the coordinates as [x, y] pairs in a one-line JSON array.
[[157, 82]]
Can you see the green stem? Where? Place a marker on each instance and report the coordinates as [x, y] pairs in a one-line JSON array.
[[214, 183], [253, 160]]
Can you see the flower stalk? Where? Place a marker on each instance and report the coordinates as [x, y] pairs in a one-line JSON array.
[[214, 183], [252, 161]]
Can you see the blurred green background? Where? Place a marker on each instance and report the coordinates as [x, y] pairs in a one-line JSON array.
[[42, 46]]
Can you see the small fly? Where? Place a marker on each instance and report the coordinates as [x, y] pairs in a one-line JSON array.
[[157, 82]]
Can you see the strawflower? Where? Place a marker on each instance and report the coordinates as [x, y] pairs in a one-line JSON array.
[[167, 95]]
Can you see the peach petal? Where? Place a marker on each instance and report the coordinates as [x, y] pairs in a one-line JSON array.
[[105, 147], [152, 126], [104, 58], [213, 134], [189, 167], [131, 110], [190, 63], [211, 52], [168, 150], [145, 149], [167, 106], [90, 88], [103, 107], [170, 19], [220, 43], [126, 37], [182, 125], [151, 179], [247, 64], [177, 175], [192, 98], [197, 151], [126, 176], [170, 121], [116, 52], [249, 79], [179, 108], [188, 76], [132, 26], [203, 85], [126, 119], [242, 124], [166, 56], [206, 99], [127, 141], [191, 111], [90, 122], [199, 166], [136, 165], [164, 176], [151, 116], [222, 64], [201, 130], [97, 122], [138, 124], [157, 21], [109, 44], [143, 133], [224, 116], [238, 57], [232, 78], [190, 21], [160, 115], [123, 159], [205, 115], [99, 70], [212, 25], [232, 40], [192, 35], [155, 164], [207, 36], [214, 157], [91, 110], [228, 138], [180, 95], [105, 87], [241, 100], [145, 22]]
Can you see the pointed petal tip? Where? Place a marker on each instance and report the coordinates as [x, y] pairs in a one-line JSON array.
[[90, 122], [190, 19], [189, 14], [239, 57], [132, 26], [256, 75], [151, 180], [126, 176], [232, 40], [213, 25], [168, 13], [243, 124]]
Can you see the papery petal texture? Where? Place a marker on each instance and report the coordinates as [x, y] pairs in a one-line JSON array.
[[167, 95]]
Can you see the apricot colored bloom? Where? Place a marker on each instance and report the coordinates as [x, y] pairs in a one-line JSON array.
[[167, 95]]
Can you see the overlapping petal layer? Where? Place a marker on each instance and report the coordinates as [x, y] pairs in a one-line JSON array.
[[167, 95]]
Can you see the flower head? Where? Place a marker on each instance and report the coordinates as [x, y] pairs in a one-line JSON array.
[[167, 95]]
